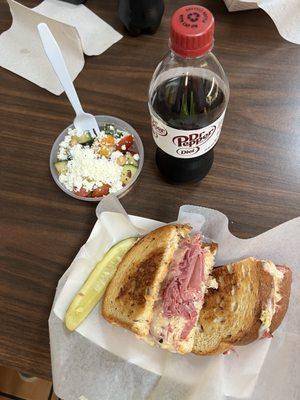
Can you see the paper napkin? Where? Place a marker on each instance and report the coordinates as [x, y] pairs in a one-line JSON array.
[[285, 14], [76, 29]]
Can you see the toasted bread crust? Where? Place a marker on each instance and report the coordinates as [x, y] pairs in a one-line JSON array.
[[281, 306], [223, 347], [264, 283], [212, 247], [265, 289], [221, 323], [129, 298], [135, 291]]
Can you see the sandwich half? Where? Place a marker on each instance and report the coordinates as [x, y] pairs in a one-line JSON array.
[[250, 302], [159, 286]]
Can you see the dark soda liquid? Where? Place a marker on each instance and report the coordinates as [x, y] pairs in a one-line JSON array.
[[187, 102], [141, 16]]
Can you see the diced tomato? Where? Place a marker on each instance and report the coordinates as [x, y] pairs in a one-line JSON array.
[[101, 191], [126, 141], [104, 151], [109, 140], [82, 192]]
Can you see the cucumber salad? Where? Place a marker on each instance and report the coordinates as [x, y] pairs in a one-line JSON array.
[[93, 166]]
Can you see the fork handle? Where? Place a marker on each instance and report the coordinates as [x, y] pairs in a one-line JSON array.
[[58, 63]]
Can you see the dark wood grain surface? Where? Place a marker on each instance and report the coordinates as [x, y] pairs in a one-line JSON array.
[[255, 178]]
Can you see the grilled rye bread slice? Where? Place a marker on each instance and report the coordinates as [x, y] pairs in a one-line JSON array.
[[232, 314], [129, 298]]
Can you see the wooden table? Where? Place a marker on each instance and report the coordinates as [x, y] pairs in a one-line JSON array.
[[255, 178]]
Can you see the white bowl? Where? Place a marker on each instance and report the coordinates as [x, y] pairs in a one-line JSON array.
[[102, 120]]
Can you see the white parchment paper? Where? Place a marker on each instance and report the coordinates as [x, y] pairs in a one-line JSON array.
[[284, 13], [100, 361], [76, 29]]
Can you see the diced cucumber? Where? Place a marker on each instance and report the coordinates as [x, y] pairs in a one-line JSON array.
[[109, 129], [85, 138], [61, 167], [118, 134], [74, 141], [130, 160], [128, 171]]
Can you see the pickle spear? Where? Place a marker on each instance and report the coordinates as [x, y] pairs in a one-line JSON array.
[[96, 283]]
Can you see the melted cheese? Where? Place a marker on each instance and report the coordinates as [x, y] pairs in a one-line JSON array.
[[212, 283], [148, 339], [169, 328], [267, 315], [271, 268], [275, 296], [230, 268]]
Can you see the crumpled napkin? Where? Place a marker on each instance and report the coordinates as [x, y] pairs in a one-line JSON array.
[[284, 13], [76, 29]]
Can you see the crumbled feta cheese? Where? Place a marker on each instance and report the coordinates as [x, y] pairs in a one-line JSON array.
[[62, 154], [73, 132], [115, 155], [86, 170]]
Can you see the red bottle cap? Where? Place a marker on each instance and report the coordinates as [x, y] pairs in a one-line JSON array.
[[192, 31]]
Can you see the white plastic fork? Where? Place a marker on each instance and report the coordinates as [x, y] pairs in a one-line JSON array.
[[83, 121]]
